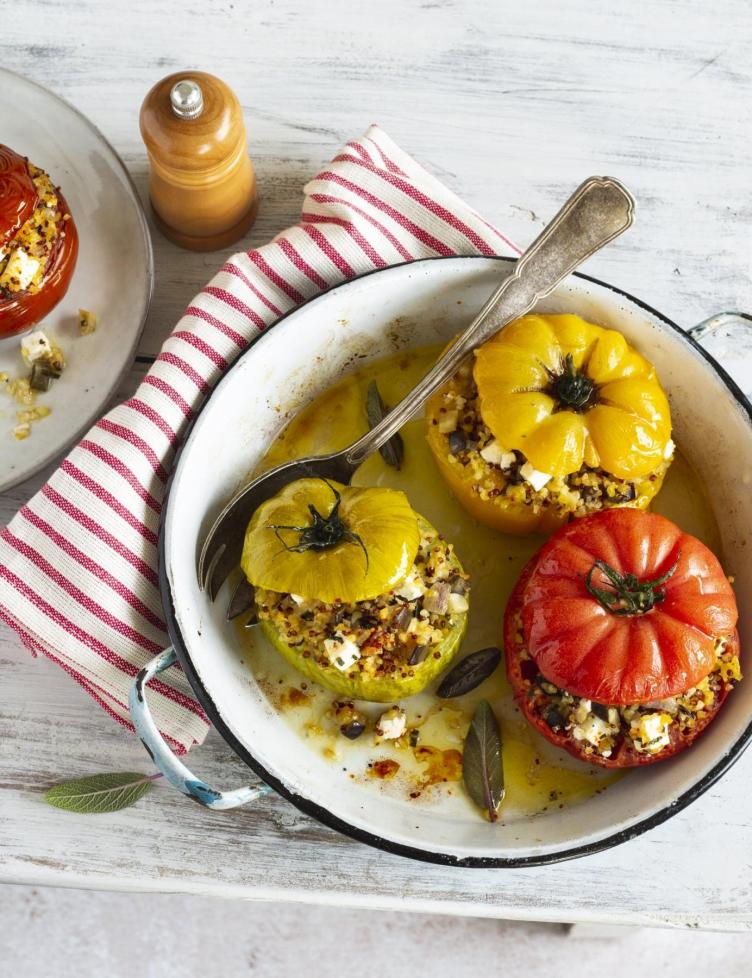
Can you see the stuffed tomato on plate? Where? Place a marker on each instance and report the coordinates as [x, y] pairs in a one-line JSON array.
[[38, 243]]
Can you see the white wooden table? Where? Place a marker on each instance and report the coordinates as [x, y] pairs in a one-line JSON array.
[[512, 104]]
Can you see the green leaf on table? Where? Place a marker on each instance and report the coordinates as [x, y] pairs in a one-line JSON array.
[[482, 768], [393, 451], [100, 793]]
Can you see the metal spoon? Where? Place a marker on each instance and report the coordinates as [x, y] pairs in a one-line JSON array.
[[596, 213]]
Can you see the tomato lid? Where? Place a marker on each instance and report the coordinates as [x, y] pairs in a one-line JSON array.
[[18, 195], [623, 607]]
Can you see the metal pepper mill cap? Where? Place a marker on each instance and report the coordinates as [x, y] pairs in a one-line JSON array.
[[187, 99]]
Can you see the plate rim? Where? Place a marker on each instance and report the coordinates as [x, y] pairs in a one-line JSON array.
[[76, 433], [323, 814]]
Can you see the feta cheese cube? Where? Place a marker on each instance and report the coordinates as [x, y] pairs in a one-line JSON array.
[[35, 346], [650, 732], [593, 730], [342, 652], [582, 710], [536, 479], [21, 269], [391, 724], [410, 588], [448, 422], [494, 454], [457, 603]]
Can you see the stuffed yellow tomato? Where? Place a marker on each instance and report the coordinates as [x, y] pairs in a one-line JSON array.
[[556, 418], [355, 589]]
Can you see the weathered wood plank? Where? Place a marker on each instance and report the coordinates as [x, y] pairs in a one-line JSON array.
[[512, 105]]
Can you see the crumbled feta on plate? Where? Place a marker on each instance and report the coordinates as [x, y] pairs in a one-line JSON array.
[[35, 346], [391, 724]]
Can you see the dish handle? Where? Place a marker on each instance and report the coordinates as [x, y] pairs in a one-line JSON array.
[[713, 323], [166, 761]]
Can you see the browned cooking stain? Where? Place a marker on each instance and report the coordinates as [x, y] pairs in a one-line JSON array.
[[384, 769], [440, 766], [287, 698]]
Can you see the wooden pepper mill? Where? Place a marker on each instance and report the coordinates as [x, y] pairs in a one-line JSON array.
[[202, 184]]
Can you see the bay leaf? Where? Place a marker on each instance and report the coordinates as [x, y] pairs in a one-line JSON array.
[[482, 768], [393, 451], [469, 673]]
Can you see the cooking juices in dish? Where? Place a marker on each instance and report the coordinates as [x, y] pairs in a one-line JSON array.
[[38, 243], [539, 774], [355, 589], [621, 638], [556, 418]]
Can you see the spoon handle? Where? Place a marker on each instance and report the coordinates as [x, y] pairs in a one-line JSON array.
[[596, 213]]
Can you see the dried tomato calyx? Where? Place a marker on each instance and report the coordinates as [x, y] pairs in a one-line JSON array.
[[323, 532], [573, 390], [627, 594]]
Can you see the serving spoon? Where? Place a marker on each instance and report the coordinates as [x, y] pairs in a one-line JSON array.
[[596, 213]]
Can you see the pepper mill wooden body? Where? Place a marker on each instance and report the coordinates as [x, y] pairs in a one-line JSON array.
[[202, 184]]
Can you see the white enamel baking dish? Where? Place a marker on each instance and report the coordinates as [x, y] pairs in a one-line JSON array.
[[427, 302]]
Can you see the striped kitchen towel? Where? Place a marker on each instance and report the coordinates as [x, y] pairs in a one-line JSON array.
[[78, 564]]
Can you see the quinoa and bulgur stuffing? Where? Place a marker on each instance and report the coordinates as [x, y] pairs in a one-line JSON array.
[[23, 260], [386, 636], [646, 727]]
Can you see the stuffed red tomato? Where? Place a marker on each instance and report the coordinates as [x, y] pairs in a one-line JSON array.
[[620, 638], [38, 243]]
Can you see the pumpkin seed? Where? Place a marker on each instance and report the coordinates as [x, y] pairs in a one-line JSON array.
[[469, 673], [39, 379], [600, 710], [554, 719], [458, 584], [403, 618], [353, 730], [457, 441], [626, 496], [418, 655]]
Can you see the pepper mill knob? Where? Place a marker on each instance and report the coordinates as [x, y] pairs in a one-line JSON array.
[[201, 183], [187, 99]]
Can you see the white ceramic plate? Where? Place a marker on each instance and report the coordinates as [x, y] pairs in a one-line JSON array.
[[113, 276], [298, 359]]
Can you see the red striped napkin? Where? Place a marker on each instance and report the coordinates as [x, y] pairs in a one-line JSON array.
[[78, 565]]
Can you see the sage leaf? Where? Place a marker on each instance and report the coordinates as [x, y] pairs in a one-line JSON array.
[[469, 673], [393, 451], [100, 793], [482, 768]]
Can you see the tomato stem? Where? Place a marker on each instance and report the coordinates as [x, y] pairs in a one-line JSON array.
[[572, 388], [627, 594], [323, 532]]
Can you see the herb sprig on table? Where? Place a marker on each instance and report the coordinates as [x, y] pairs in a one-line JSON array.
[[99, 794]]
